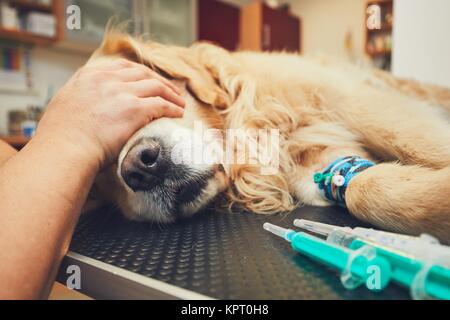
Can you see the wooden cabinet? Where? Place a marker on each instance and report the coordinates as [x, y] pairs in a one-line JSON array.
[[266, 29], [218, 22]]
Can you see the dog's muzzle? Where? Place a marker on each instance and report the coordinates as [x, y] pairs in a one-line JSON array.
[[147, 167]]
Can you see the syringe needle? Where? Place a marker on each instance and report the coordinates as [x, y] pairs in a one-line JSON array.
[[279, 231]]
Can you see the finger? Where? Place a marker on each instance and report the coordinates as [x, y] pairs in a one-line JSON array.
[[157, 107], [140, 72], [155, 88], [169, 83]]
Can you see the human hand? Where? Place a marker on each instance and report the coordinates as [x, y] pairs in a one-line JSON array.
[[104, 104]]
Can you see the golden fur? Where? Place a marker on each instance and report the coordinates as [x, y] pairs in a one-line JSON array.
[[323, 110]]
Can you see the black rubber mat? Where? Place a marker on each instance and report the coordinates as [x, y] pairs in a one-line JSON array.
[[221, 255]]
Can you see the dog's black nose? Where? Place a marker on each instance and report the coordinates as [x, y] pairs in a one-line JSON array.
[[144, 166]]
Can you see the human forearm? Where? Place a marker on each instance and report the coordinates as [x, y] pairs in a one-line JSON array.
[[47, 212], [44, 186], [6, 152]]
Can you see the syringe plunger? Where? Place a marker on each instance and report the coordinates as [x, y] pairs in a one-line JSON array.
[[316, 227]]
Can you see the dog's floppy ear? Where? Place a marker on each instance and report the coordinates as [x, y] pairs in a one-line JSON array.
[[176, 62], [119, 44]]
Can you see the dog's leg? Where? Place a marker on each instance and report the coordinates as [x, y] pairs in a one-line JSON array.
[[408, 199], [395, 127]]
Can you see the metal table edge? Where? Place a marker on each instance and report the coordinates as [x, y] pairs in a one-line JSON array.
[[100, 280]]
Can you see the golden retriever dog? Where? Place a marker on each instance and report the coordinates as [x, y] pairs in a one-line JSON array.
[[321, 111]]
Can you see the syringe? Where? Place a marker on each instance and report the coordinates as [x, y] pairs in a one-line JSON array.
[[418, 263], [354, 265], [422, 247]]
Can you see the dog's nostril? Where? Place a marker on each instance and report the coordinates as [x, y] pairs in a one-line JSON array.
[[144, 165], [150, 155]]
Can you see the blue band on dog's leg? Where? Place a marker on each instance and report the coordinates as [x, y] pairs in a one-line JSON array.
[[334, 180]]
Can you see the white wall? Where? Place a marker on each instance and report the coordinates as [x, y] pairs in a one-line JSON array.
[[421, 40], [49, 67], [326, 23]]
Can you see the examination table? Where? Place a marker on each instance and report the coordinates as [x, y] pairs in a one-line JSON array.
[[213, 255]]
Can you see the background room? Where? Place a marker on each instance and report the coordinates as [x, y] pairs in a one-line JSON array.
[[44, 42], [39, 53]]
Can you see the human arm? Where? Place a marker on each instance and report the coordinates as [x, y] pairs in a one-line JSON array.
[[43, 187], [6, 152]]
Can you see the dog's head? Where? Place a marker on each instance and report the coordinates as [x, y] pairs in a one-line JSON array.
[[168, 169], [173, 168]]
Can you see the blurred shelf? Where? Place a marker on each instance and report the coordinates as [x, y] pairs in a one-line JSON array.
[[379, 2], [378, 42], [27, 37], [25, 92], [24, 7], [30, 6], [379, 53], [16, 141], [385, 28]]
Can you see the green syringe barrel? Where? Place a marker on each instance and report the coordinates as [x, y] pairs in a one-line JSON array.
[[405, 268], [337, 257]]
